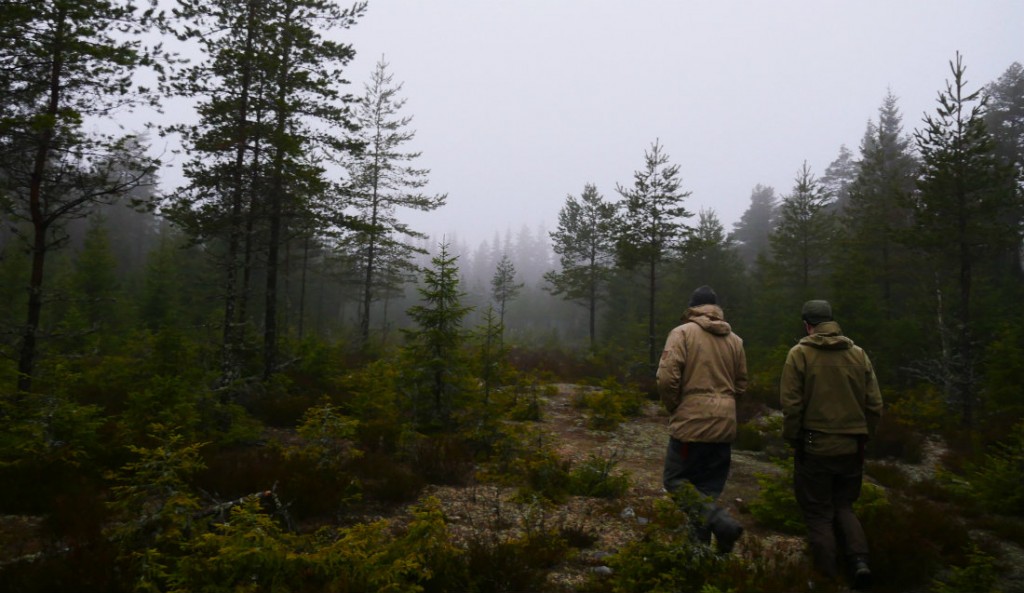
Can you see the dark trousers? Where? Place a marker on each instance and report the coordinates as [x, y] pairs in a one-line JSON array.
[[826, 488], [705, 465]]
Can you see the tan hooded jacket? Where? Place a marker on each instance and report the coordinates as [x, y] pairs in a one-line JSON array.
[[702, 370]]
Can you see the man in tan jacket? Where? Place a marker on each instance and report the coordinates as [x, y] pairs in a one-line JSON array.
[[702, 370]]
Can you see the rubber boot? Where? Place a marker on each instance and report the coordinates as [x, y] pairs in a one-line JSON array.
[[726, 529], [727, 532], [860, 573]]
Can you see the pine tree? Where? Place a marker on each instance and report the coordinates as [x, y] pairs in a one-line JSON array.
[[64, 63], [586, 250], [270, 103], [967, 208], [652, 226], [381, 181]]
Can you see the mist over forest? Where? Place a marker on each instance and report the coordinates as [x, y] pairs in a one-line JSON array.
[[255, 380]]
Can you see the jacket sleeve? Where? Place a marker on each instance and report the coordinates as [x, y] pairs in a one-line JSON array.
[[670, 370], [741, 371], [791, 396], [872, 398]]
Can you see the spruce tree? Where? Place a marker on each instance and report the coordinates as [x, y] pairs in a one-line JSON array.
[[839, 176], [801, 241], [751, 232], [436, 375], [586, 251], [874, 273], [504, 288], [710, 257]]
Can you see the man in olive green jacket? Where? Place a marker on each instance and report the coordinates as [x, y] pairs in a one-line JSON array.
[[702, 370], [831, 406]]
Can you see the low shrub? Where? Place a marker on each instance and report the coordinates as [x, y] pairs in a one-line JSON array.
[[995, 482], [502, 563], [775, 506], [980, 575], [911, 539], [596, 477], [610, 405], [544, 474], [887, 474], [666, 559]]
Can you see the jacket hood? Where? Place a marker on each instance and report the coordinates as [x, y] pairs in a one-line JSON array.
[[710, 318], [828, 336]]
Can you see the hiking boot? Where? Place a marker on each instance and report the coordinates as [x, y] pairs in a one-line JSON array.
[[861, 574], [726, 529], [727, 532]]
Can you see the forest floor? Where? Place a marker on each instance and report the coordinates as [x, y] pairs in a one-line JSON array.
[[483, 512], [638, 447]]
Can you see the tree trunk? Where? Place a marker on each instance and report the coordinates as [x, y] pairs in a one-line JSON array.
[[40, 224], [371, 255], [302, 287], [652, 352], [233, 313]]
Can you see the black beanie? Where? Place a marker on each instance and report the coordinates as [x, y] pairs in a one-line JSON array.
[[703, 296]]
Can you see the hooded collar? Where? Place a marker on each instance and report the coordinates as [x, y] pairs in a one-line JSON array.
[[828, 336], [709, 317]]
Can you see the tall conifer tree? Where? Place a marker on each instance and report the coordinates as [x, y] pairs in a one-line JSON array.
[[586, 251], [755, 226], [382, 180], [63, 63], [800, 243], [436, 371], [270, 100], [651, 226], [967, 209], [874, 272]]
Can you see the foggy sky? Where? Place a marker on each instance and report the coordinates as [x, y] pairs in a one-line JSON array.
[[517, 103]]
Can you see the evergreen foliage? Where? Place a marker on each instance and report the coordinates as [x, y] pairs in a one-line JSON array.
[[967, 209], [436, 375], [168, 363], [63, 63], [752, 231], [800, 242], [380, 182], [504, 289], [651, 226], [585, 247]]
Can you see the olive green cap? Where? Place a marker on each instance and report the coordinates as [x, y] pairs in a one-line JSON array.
[[815, 312]]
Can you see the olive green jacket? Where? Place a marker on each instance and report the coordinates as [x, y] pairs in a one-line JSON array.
[[828, 387], [702, 370]]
